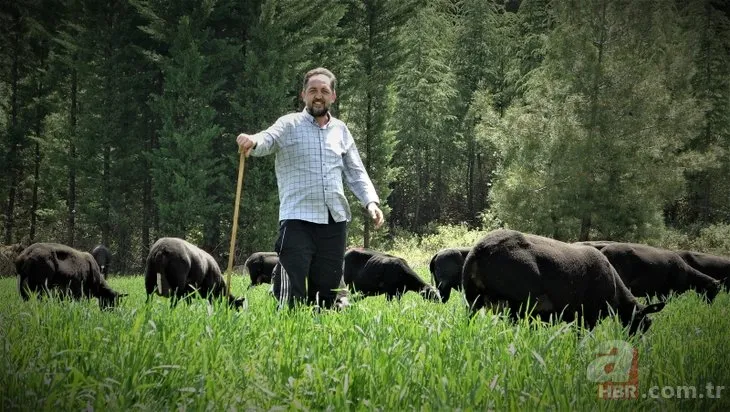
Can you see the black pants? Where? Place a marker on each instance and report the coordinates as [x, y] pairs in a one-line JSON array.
[[311, 256]]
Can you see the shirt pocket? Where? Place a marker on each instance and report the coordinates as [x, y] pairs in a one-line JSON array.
[[334, 147]]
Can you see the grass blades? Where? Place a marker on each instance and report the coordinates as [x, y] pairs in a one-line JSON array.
[[376, 355]]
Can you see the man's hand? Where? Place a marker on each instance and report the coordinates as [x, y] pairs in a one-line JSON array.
[[245, 143], [376, 214]]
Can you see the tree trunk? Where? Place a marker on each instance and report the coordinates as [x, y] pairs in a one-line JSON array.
[[13, 153], [36, 162], [439, 186], [106, 202], [585, 227], [368, 138], [470, 151], [71, 202], [593, 127]]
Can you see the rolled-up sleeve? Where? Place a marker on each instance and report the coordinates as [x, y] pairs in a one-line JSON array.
[[268, 141]]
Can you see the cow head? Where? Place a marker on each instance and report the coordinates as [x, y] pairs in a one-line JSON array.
[[430, 293], [108, 299], [237, 303], [712, 290], [641, 321], [445, 293]]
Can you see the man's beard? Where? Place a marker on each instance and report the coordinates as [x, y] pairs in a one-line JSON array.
[[320, 111]]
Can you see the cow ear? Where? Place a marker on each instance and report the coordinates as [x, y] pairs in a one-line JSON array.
[[655, 307]]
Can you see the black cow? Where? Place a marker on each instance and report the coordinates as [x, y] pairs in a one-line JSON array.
[[260, 267], [177, 268], [717, 267], [551, 278], [72, 273], [649, 271], [103, 257], [373, 273], [445, 267]]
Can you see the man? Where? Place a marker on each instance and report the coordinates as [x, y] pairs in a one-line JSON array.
[[313, 151]]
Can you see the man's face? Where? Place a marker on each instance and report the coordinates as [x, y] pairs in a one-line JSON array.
[[318, 96]]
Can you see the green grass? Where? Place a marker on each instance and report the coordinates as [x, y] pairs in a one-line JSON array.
[[407, 354]]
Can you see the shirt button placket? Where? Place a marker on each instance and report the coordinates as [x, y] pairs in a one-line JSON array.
[[322, 153]]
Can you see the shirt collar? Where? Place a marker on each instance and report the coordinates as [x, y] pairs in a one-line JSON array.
[[312, 120]]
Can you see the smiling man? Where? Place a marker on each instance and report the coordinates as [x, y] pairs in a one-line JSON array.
[[314, 150]]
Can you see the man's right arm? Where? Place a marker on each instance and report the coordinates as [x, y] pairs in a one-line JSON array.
[[262, 143]]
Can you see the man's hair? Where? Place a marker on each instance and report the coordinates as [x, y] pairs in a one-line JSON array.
[[320, 70]]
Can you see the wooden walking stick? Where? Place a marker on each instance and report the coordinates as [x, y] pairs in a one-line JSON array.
[[241, 164]]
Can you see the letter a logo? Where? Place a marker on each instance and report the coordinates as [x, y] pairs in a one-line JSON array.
[[613, 362]]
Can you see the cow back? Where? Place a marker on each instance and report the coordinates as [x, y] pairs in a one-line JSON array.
[[718, 267]]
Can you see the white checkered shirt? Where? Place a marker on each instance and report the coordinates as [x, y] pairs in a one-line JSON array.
[[310, 162]]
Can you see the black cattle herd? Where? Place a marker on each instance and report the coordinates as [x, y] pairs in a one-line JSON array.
[[529, 274]]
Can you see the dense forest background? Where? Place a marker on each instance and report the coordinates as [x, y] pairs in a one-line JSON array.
[[576, 119]]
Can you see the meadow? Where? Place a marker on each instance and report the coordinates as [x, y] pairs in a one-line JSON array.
[[376, 355]]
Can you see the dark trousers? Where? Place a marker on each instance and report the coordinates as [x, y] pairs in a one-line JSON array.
[[311, 256]]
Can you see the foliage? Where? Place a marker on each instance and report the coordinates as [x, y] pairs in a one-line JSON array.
[[575, 119], [588, 147]]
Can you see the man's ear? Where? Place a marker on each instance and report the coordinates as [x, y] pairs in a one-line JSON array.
[[334, 96]]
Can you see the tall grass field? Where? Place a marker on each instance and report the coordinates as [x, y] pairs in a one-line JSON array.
[[376, 355]]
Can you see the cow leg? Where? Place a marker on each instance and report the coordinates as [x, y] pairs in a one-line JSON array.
[[176, 295], [150, 278], [23, 287], [473, 294]]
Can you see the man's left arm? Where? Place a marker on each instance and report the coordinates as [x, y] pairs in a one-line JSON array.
[[359, 182]]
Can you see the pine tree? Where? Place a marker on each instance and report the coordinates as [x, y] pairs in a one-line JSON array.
[[709, 149], [592, 150], [373, 29], [185, 167], [484, 62], [426, 88]]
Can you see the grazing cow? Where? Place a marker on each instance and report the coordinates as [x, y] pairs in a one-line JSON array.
[[373, 273], [103, 257], [553, 278], [260, 267], [445, 267], [177, 268], [73, 273], [648, 271], [717, 267]]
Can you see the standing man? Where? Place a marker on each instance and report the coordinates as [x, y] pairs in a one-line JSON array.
[[313, 152]]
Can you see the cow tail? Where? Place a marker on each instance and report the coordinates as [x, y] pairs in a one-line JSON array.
[[245, 267], [161, 273]]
